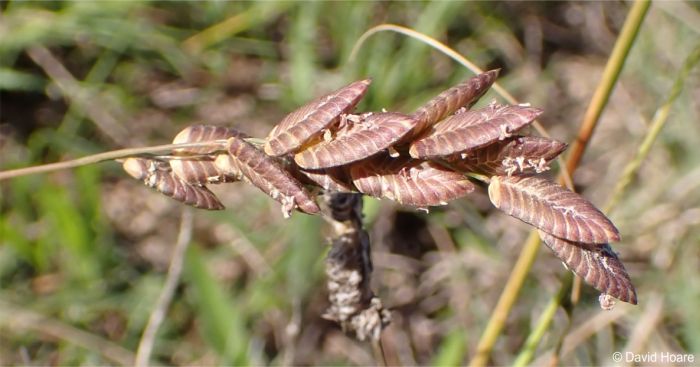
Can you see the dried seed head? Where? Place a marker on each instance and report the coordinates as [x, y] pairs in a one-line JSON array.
[[596, 264], [472, 129], [357, 141], [268, 175], [309, 121], [551, 208], [409, 181], [451, 100]]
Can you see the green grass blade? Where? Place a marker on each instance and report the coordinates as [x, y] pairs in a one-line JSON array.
[[222, 318], [452, 351]]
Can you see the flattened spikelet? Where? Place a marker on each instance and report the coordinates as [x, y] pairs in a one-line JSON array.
[[190, 194], [200, 168], [310, 120], [357, 141], [268, 175], [408, 181], [551, 208], [160, 178], [516, 155], [449, 101], [472, 129], [597, 265]]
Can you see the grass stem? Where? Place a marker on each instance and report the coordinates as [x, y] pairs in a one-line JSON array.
[[591, 118], [658, 122], [507, 300], [660, 117], [543, 324], [607, 83], [143, 353], [107, 156]]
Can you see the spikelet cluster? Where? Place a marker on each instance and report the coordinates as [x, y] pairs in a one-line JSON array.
[[421, 159]]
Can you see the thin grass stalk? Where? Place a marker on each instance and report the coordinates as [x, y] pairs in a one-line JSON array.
[[233, 25], [529, 252], [507, 300], [143, 353], [659, 121], [542, 325], [227, 28], [607, 83], [432, 42], [107, 156]]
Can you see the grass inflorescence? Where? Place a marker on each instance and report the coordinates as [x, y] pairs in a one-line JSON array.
[[86, 254]]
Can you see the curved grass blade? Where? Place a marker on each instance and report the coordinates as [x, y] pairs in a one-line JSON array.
[[446, 103], [515, 155], [268, 175], [473, 129], [551, 208], [597, 265], [409, 181], [200, 167], [310, 120], [159, 177], [357, 141]]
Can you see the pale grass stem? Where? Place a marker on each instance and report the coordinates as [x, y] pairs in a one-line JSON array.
[[184, 237], [527, 256], [108, 156], [658, 122]]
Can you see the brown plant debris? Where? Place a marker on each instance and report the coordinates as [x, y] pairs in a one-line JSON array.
[[446, 103], [517, 155], [158, 175], [472, 129], [348, 269], [597, 265], [267, 174], [551, 208], [196, 165], [409, 181], [309, 121], [357, 141]]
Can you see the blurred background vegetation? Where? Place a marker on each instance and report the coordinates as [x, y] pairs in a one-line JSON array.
[[84, 252]]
